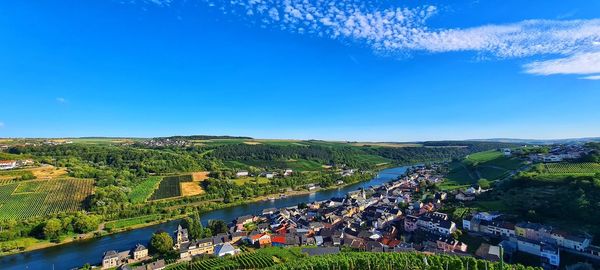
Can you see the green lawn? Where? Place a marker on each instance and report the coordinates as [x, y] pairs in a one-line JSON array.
[[142, 191]]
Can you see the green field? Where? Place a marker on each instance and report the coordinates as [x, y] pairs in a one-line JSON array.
[[373, 159], [491, 165], [28, 186], [142, 191], [124, 223], [169, 187], [42, 197], [484, 156], [244, 180], [587, 168], [296, 165]]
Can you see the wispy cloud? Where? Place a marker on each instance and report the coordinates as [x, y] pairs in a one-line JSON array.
[[579, 63], [61, 100], [1, 124], [593, 77], [400, 30]]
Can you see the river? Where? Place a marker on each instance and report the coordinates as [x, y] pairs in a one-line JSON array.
[[78, 253]]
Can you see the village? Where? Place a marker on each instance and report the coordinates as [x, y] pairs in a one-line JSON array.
[[399, 216]]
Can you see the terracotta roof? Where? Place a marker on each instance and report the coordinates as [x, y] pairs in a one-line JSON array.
[[278, 239]]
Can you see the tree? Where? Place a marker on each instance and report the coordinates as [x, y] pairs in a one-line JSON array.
[[161, 242], [228, 197], [484, 183], [85, 223], [52, 228], [217, 226]]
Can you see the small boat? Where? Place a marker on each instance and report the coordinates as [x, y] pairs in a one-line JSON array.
[[271, 198], [282, 196]]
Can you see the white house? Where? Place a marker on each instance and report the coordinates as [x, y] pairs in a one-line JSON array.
[[486, 216], [473, 190], [287, 172], [8, 164], [225, 249], [507, 152], [241, 174]]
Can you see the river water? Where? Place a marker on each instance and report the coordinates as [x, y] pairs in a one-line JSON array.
[[78, 253]]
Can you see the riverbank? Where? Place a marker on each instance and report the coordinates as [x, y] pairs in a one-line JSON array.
[[212, 206]]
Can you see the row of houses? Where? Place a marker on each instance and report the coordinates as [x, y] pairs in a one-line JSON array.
[[375, 219], [560, 153], [533, 238], [113, 258], [13, 164], [219, 245], [432, 222], [269, 175]]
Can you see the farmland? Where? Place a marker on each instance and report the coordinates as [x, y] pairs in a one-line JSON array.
[[243, 180], [491, 165], [169, 187], [42, 197], [43, 172], [587, 168], [142, 191], [28, 186], [124, 223], [194, 187]]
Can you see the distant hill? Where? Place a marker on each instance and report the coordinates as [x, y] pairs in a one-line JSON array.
[[538, 141], [205, 137]]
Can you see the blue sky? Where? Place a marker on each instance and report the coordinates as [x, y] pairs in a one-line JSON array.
[[351, 70]]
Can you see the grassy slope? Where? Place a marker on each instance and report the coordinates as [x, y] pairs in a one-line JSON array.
[[491, 165]]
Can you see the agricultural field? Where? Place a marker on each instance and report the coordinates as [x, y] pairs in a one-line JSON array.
[[296, 165], [41, 197], [587, 168], [194, 188], [142, 191], [373, 159], [243, 180], [103, 141], [491, 165], [12, 175], [253, 260], [28, 186], [383, 144], [485, 156], [42, 173], [169, 187], [124, 223]]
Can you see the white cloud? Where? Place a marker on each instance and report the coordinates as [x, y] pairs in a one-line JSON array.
[[580, 63], [61, 100], [593, 77], [401, 30], [1, 124]]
